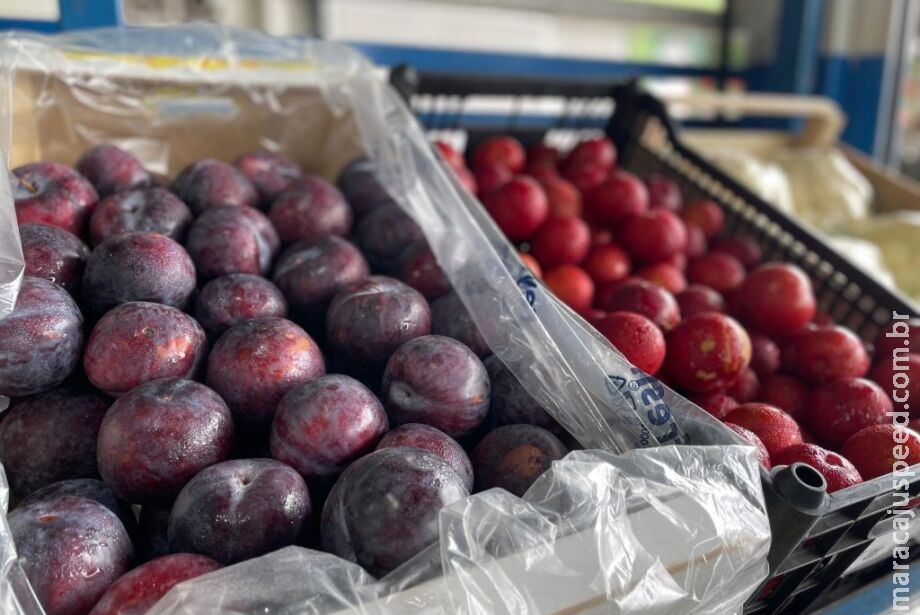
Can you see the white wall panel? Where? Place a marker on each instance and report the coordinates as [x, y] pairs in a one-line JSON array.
[[519, 30], [856, 28]]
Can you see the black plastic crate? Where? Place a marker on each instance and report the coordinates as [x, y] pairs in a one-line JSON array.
[[816, 536]]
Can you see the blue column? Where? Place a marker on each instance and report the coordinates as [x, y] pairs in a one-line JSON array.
[[795, 63], [797, 47], [78, 14]]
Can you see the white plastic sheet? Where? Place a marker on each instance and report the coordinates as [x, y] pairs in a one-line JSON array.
[[590, 533]]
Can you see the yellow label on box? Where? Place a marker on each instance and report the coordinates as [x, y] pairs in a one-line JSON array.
[[198, 63]]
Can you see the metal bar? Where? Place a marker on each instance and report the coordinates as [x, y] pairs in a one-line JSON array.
[[725, 36], [797, 47], [901, 27]]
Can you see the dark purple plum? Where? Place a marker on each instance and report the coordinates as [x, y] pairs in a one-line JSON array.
[[256, 362], [52, 253], [137, 592], [449, 317], [111, 169], [41, 340], [512, 403], [89, 488], [71, 550], [367, 321], [231, 299], [159, 435], [426, 437], [226, 240], [419, 269], [308, 208], [50, 437], [153, 533], [384, 234], [514, 456], [51, 193], [240, 509], [154, 210], [269, 173], [138, 342], [437, 381], [323, 424], [384, 508], [311, 272], [139, 266], [361, 188], [210, 183]]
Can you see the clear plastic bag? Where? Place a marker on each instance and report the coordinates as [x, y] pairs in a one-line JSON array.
[[655, 531], [11, 262], [227, 92]]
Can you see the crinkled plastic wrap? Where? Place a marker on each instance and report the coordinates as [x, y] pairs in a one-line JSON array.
[[670, 529], [827, 190], [816, 185], [656, 531], [766, 179]]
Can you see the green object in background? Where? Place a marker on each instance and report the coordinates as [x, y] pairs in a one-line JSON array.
[[703, 6], [653, 44], [643, 43]]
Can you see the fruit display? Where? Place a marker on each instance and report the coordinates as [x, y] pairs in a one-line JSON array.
[[231, 382], [659, 275]]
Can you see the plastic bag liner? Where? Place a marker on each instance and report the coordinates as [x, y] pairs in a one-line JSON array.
[[677, 527], [11, 262], [657, 531]]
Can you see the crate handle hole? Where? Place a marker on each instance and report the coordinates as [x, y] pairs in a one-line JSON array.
[[809, 476]]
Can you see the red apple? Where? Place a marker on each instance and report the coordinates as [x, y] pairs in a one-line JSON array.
[[607, 264], [875, 449], [663, 193], [519, 207], [622, 196], [561, 241], [837, 471], [502, 151], [571, 284], [705, 215], [840, 408], [640, 341], [776, 429], [655, 235], [777, 299], [490, 178], [599, 151]]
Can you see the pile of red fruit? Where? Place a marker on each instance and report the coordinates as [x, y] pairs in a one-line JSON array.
[[183, 366], [680, 299]]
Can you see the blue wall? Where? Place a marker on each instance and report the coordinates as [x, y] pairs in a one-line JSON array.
[[856, 84]]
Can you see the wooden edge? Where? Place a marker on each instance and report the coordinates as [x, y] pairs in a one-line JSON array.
[[893, 191]]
